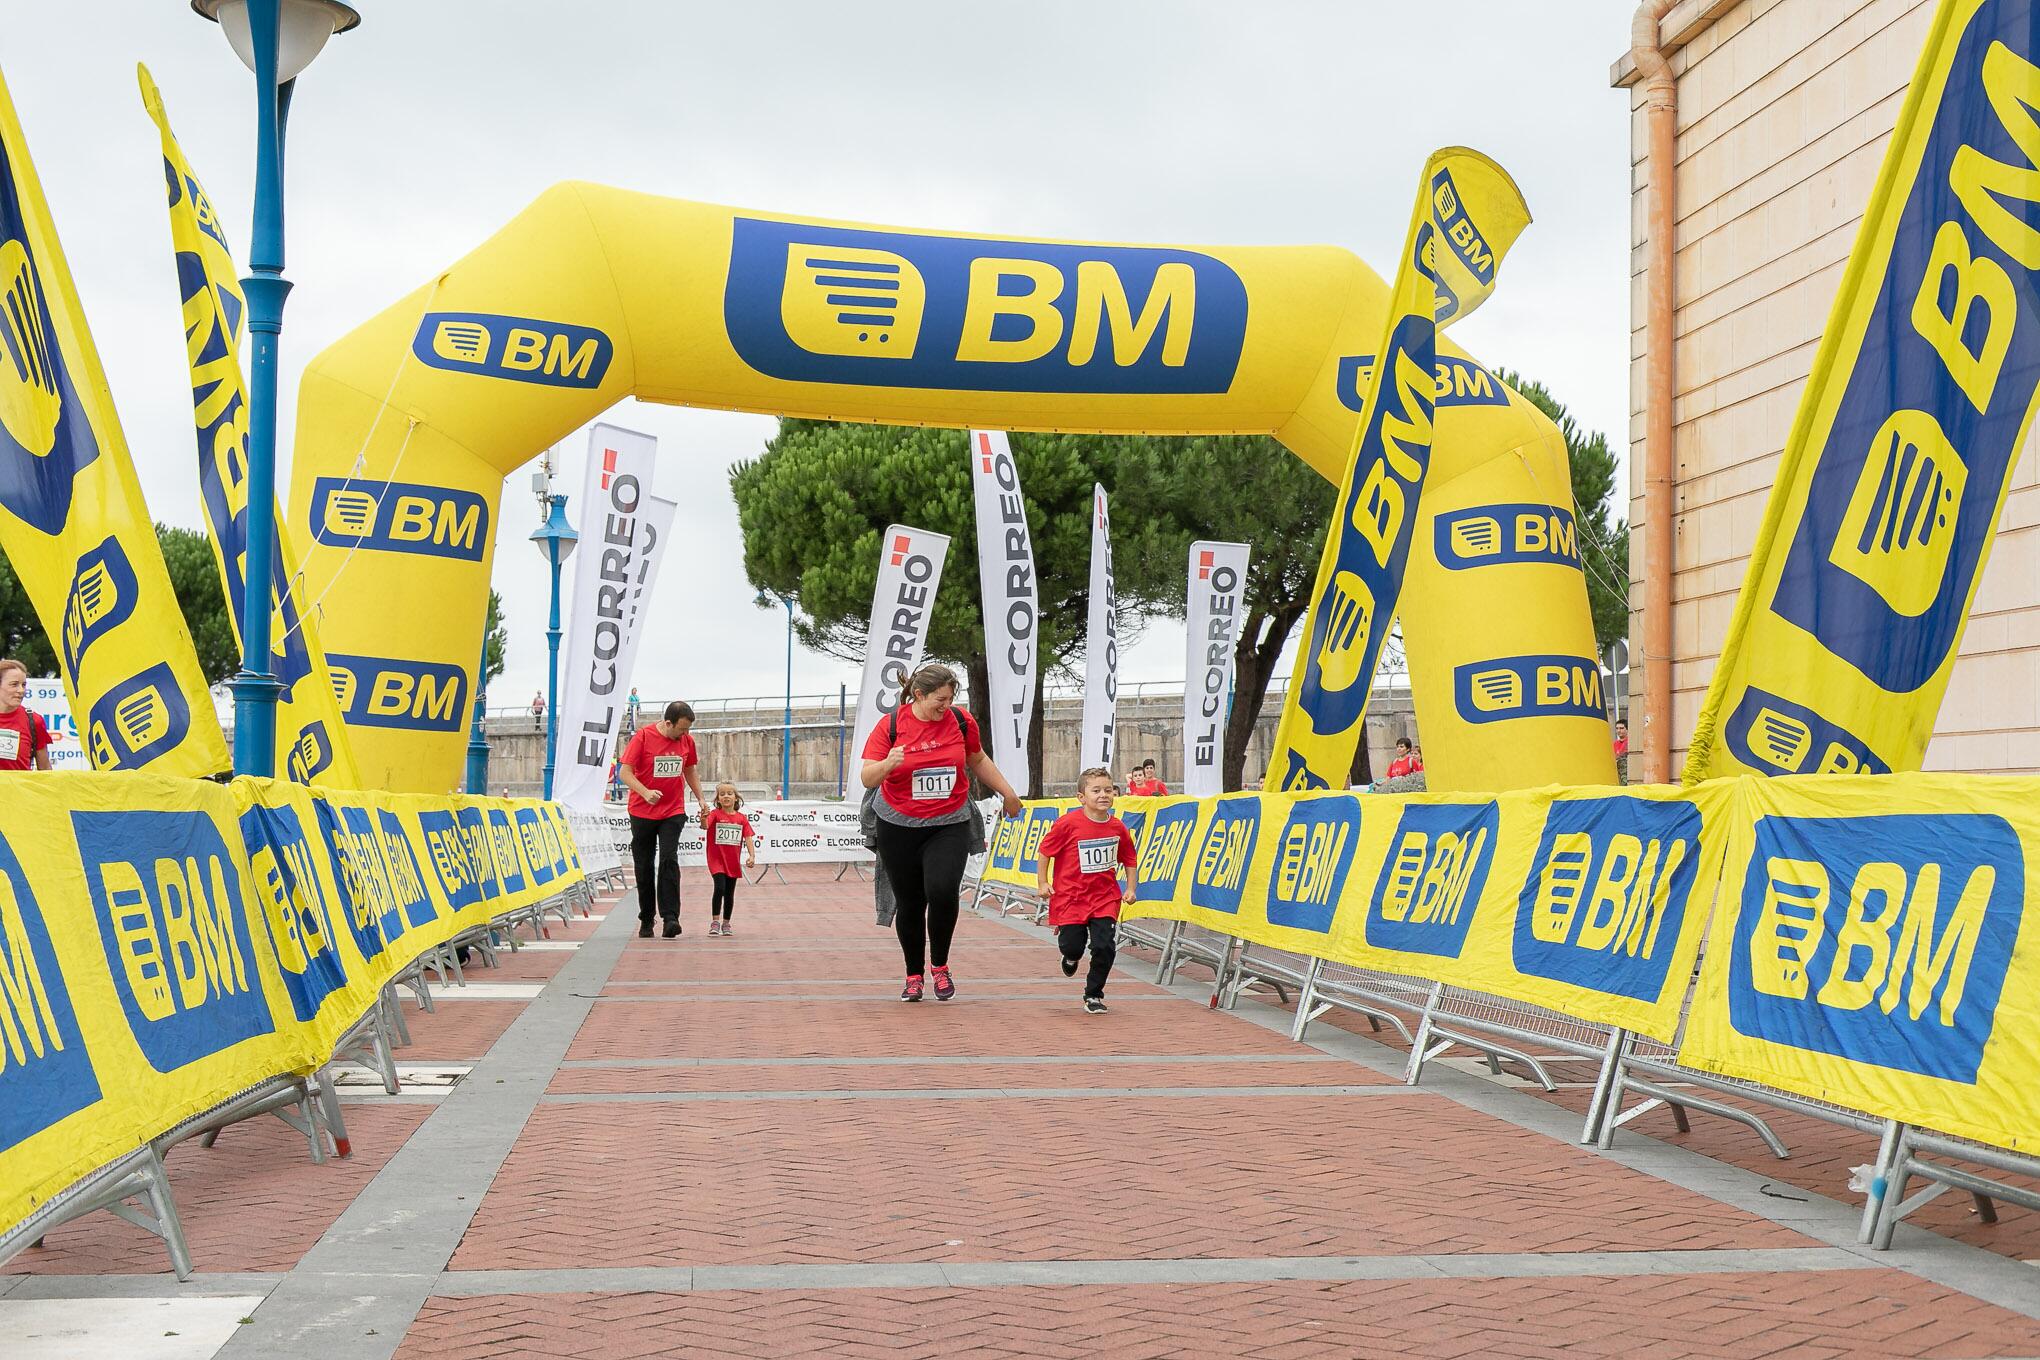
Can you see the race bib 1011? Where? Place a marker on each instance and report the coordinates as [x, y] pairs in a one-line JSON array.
[[934, 784], [1098, 856]]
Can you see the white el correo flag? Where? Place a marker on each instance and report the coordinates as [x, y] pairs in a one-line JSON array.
[[1006, 580], [594, 671], [655, 528], [598, 740], [909, 572], [1101, 645], [1218, 583]]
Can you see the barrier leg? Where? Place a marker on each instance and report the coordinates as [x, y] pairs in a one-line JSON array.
[[1225, 990], [1891, 1205], [393, 1012], [336, 1123], [1165, 967], [160, 1218], [1607, 1085], [1421, 1050], [1307, 1006], [1873, 1199]]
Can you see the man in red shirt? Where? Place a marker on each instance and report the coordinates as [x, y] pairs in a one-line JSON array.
[[1083, 853], [24, 737], [658, 766], [1144, 784]]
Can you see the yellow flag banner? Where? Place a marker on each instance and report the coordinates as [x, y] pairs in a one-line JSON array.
[[72, 521], [1468, 213], [311, 741], [1884, 506], [1875, 949], [168, 943]]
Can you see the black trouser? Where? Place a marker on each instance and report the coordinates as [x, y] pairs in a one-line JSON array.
[[724, 901], [925, 867], [657, 881], [1104, 933]]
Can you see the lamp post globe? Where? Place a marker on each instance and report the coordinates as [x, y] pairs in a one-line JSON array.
[[276, 39], [555, 539]]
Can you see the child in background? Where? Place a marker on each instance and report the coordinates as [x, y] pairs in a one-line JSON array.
[[1084, 852], [724, 830]]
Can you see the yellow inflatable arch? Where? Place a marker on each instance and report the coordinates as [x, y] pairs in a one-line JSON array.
[[407, 426]]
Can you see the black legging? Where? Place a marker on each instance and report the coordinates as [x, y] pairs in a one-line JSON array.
[[723, 902], [925, 867]]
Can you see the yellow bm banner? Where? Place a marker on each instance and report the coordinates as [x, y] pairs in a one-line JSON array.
[[1016, 842], [1874, 949], [167, 943], [1589, 901]]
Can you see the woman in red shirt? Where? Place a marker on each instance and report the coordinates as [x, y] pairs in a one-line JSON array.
[[24, 738], [920, 758], [1406, 761]]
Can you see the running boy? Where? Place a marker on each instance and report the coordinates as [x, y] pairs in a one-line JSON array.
[[1084, 852], [724, 828]]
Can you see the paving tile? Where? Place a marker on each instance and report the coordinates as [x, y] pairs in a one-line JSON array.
[[1862, 1315], [252, 1201], [908, 1077], [753, 1182]]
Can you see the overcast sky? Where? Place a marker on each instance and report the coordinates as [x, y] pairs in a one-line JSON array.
[[421, 132]]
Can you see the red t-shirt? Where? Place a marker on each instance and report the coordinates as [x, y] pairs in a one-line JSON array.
[[726, 833], [660, 763], [1403, 765], [934, 778], [22, 734], [1084, 857], [1146, 788]]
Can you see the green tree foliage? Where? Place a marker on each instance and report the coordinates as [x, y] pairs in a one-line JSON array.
[[195, 577], [495, 640], [21, 633], [1604, 534], [814, 504]]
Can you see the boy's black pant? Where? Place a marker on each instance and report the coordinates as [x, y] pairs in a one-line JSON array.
[[1103, 931], [658, 878]]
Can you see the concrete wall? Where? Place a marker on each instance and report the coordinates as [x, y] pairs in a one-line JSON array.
[[1149, 728], [1785, 109]]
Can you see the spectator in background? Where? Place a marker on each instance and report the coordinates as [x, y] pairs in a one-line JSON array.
[[24, 736], [1621, 738], [538, 709], [1143, 782], [630, 710], [1406, 761]]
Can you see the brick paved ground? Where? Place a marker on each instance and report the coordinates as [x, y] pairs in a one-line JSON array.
[[747, 1147]]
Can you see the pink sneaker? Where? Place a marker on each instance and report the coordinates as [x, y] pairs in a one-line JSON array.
[[944, 988], [912, 991]]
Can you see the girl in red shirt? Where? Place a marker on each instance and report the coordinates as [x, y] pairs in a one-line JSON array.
[[24, 738], [1084, 851], [725, 830], [920, 758]]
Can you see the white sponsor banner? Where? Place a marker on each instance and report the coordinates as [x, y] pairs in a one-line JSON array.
[[48, 700], [655, 528], [1101, 646], [1218, 583], [909, 572], [594, 668], [1007, 589], [799, 832]]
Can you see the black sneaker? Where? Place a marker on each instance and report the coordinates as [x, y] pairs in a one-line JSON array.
[[1094, 1005], [644, 930], [1069, 966], [672, 929]]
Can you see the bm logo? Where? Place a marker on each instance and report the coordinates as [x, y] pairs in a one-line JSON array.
[[137, 721], [1773, 735], [401, 517], [1501, 535], [889, 309], [295, 906], [381, 691], [1461, 382], [1311, 859], [518, 348], [1528, 687], [1881, 939], [167, 896], [1607, 894], [1219, 879], [1432, 880], [45, 1072], [1163, 852], [101, 599]]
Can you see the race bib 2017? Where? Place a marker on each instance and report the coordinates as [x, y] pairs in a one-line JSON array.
[[666, 767], [728, 834]]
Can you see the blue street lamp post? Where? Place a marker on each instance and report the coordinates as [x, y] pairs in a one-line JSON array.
[[276, 39], [786, 734], [478, 739], [556, 539]]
